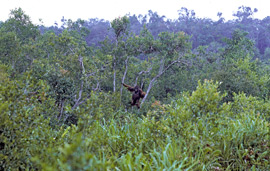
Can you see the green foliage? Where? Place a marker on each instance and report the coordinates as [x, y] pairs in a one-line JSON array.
[[196, 132], [57, 110], [206, 99], [239, 46], [236, 130], [230, 139], [9, 48], [243, 75], [21, 24], [17, 40], [267, 54], [25, 125], [98, 107], [238, 72], [120, 26]]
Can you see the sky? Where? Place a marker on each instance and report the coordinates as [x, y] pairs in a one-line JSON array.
[[51, 11]]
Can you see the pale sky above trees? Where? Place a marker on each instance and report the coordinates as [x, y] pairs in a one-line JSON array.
[[53, 10]]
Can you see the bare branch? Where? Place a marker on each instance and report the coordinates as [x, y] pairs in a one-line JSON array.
[[124, 76], [79, 101], [140, 73], [114, 73], [80, 58], [62, 109], [158, 75], [97, 87], [90, 74]]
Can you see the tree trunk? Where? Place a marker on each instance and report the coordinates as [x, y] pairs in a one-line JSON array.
[[149, 88], [161, 71], [124, 76], [114, 74]]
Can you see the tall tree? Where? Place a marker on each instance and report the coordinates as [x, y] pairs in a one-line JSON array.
[[170, 49], [120, 27]]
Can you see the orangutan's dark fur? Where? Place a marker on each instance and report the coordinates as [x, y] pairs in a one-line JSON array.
[[137, 94]]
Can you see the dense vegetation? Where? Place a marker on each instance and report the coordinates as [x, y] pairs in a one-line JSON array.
[[207, 84]]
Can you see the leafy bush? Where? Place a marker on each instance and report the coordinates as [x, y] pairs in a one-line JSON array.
[[57, 113], [221, 136], [25, 123]]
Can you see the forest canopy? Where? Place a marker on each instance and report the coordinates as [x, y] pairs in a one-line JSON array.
[[206, 94]]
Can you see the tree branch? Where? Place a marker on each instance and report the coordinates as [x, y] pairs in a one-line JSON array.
[[78, 102], [124, 76], [140, 73], [90, 74], [158, 75]]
